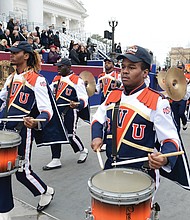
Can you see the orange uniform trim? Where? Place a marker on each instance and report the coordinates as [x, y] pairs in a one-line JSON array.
[[31, 78], [170, 140], [114, 97], [149, 98], [74, 78], [56, 78]]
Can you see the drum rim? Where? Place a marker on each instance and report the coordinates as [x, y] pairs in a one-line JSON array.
[[11, 143], [122, 198]]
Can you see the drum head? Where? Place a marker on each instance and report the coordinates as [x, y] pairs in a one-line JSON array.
[[121, 186], [9, 139]]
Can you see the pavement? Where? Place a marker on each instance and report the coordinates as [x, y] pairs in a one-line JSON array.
[[72, 195], [25, 211]]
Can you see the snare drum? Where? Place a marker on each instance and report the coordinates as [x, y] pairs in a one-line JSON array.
[[121, 194], [9, 141]]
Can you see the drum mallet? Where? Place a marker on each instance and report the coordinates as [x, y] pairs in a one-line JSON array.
[[100, 159], [21, 119], [142, 159]]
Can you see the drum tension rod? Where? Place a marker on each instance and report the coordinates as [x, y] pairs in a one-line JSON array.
[[156, 208]]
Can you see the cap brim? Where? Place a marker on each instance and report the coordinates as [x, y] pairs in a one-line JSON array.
[[130, 57], [12, 49], [57, 64]]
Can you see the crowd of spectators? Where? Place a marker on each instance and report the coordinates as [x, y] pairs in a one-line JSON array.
[[44, 41]]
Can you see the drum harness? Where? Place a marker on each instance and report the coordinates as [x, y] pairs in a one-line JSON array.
[[145, 167]]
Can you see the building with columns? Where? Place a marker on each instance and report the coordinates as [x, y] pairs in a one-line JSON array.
[[45, 13], [179, 54]]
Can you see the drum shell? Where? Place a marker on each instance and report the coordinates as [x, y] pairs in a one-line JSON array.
[[113, 204], [9, 141]]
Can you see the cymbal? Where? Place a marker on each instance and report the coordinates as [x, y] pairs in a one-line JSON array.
[[89, 81], [175, 82], [161, 79]]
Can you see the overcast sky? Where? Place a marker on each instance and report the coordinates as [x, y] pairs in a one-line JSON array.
[[154, 24]]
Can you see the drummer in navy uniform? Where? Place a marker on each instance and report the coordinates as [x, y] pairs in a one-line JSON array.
[[141, 117], [23, 90], [69, 90]]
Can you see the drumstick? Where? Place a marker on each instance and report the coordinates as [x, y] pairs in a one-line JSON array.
[[21, 119], [100, 159], [77, 103], [68, 100], [142, 159]]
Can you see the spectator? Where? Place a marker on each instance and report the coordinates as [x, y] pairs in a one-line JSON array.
[[73, 55], [36, 43], [44, 39], [3, 45], [64, 27], [1, 29], [6, 36], [10, 25], [118, 48], [37, 31], [82, 54], [15, 36], [71, 45], [56, 39], [30, 40], [53, 56]]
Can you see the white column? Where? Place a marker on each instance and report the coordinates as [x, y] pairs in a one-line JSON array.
[[35, 14], [53, 20], [6, 7], [67, 20]]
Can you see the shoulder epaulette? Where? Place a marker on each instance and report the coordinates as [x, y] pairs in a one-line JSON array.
[[114, 96], [149, 97], [31, 77], [57, 78], [101, 75], [74, 78]]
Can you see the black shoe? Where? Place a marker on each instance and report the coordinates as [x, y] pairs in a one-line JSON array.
[[185, 127], [48, 196], [50, 168]]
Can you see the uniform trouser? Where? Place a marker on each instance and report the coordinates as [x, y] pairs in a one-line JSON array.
[[27, 176], [178, 108], [70, 123], [6, 197]]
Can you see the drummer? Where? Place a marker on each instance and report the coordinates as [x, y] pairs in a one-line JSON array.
[[142, 116], [108, 80], [71, 97], [24, 89]]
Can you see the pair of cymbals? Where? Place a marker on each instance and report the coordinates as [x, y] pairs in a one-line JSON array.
[[89, 82], [173, 82]]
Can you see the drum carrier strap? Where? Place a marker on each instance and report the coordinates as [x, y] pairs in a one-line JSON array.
[[66, 109], [114, 131]]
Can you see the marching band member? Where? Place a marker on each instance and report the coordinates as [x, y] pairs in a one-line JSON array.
[[108, 80], [141, 117], [69, 90], [23, 90]]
